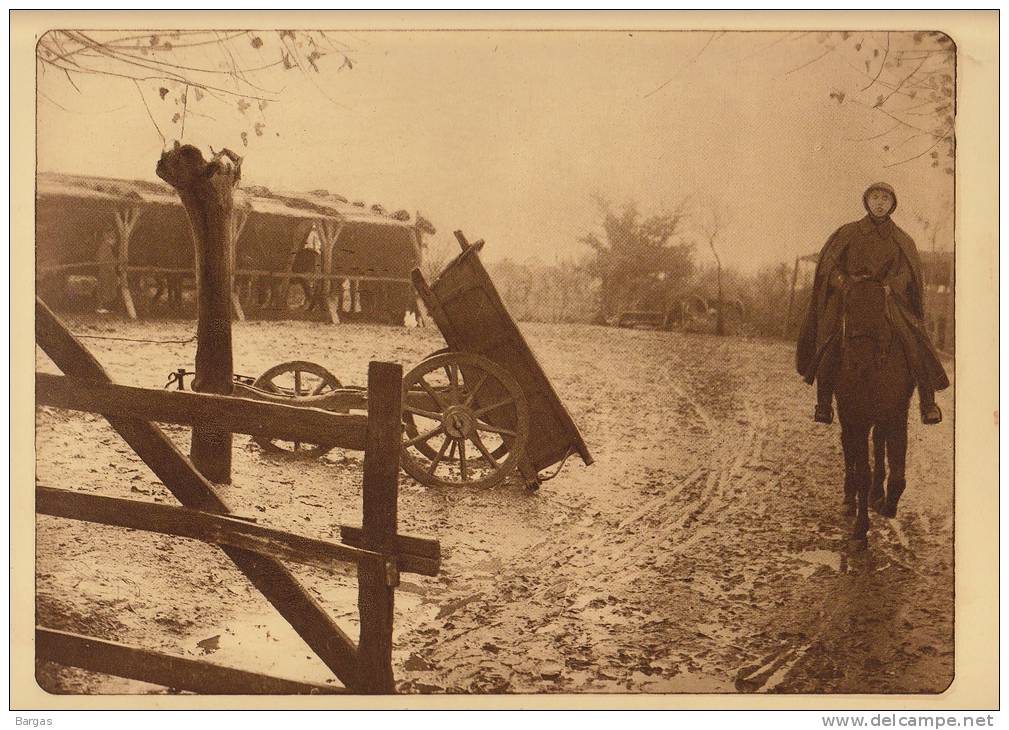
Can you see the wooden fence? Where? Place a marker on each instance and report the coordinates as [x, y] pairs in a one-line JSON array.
[[374, 551]]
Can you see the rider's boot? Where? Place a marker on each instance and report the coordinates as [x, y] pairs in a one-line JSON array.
[[930, 413]]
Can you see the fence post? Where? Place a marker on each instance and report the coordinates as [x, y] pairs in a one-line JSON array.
[[381, 475]]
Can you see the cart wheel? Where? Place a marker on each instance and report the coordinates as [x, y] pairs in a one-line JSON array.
[[410, 427], [410, 424], [467, 421], [297, 380]]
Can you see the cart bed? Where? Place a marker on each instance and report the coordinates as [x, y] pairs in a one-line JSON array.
[[468, 310]]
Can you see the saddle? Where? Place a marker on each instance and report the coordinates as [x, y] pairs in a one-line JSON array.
[[865, 315]]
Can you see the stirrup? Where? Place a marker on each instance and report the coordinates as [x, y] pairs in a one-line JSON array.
[[824, 414], [931, 415]]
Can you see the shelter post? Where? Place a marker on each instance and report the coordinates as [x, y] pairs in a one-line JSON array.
[[330, 233], [238, 220], [126, 221]]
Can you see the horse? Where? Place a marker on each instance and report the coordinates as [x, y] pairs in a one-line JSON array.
[[873, 393]]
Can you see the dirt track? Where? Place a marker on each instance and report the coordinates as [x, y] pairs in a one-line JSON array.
[[704, 551]]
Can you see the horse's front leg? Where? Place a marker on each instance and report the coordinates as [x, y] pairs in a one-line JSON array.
[[855, 439], [850, 477], [896, 456], [880, 435]]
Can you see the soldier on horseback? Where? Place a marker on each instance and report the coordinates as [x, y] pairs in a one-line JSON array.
[[871, 248]]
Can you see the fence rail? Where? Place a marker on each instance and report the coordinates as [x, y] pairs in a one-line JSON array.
[[209, 528], [166, 670], [365, 667], [215, 412]]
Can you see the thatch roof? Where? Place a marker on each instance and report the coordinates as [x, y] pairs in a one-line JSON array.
[[75, 213], [314, 205]]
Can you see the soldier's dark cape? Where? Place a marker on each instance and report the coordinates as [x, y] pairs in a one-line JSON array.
[[905, 308]]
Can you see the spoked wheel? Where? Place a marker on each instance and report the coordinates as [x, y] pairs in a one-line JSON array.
[[466, 421], [424, 447], [297, 380]]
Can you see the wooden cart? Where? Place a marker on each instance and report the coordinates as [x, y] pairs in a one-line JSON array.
[[473, 412], [477, 328]]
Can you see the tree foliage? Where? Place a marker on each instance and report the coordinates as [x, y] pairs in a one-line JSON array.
[[638, 260], [183, 74], [906, 81]]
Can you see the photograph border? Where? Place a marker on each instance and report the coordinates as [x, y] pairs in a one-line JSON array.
[[976, 526]]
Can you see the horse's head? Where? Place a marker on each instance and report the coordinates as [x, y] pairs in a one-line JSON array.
[[867, 330]]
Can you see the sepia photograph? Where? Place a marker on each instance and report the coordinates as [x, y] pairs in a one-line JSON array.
[[501, 359]]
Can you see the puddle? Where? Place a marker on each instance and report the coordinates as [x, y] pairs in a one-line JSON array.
[[265, 643], [816, 559]]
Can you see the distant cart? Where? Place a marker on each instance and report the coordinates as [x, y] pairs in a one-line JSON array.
[[473, 412]]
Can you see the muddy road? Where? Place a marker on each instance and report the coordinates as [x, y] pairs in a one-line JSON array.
[[704, 551]]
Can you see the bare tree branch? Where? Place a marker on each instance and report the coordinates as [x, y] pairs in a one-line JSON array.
[[810, 63], [882, 63], [666, 83], [923, 152], [875, 136], [141, 92], [902, 81]]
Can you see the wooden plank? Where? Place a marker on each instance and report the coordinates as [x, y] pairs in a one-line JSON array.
[[318, 276], [269, 576], [203, 526], [332, 308], [381, 494], [307, 276], [521, 360], [144, 269], [213, 412], [236, 307], [125, 221], [167, 670], [59, 268], [339, 400], [406, 562], [423, 547]]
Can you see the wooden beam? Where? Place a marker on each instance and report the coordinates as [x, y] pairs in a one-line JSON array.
[[125, 221], [332, 307], [210, 411], [236, 305], [167, 670], [376, 596], [407, 561], [307, 275], [329, 232], [239, 217], [269, 576], [206, 527], [339, 400]]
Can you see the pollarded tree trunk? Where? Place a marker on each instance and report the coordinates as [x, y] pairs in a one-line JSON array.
[[207, 192]]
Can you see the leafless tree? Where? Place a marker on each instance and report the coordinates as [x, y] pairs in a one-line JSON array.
[[179, 74], [709, 225], [905, 81]]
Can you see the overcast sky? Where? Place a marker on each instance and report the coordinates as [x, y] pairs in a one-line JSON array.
[[507, 136]]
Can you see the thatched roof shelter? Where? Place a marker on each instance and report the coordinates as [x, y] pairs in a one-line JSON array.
[[142, 228]]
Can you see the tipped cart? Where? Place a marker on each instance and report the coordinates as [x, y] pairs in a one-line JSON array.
[[473, 412]]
